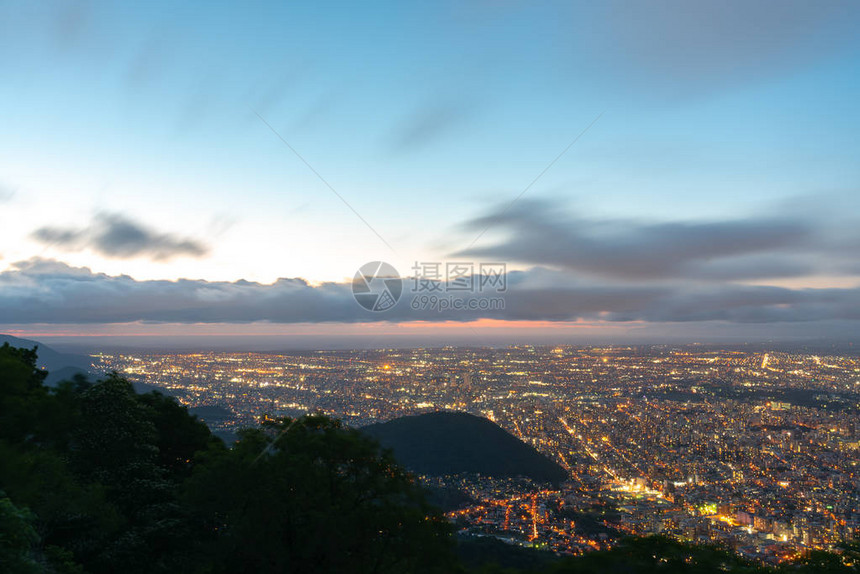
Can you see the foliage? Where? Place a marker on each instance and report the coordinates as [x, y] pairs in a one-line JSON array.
[[308, 495], [110, 480], [657, 554], [18, 539]]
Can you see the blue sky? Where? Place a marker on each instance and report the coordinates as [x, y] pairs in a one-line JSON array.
[[424, 117]]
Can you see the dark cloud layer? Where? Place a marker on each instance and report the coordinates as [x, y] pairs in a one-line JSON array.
[[46, 291], [114, 235], [755, 248]]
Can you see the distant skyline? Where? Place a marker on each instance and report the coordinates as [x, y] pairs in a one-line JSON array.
[[201, 171]]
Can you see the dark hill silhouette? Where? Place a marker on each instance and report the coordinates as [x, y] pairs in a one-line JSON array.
[[60, 366], [450, 442]]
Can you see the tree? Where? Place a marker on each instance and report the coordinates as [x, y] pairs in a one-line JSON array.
[[178, 435], [99, 465], [18, 540], [657, 554], [845, 561], [20, 546], [22, 393], [116, 444], [307, 495]]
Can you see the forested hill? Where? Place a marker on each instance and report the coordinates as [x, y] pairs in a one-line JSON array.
[[452, 442]]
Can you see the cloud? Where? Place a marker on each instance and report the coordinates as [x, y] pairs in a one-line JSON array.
[[753, 248], [7, 192], [680, 47], [429, 123], [52, 291], [73, 22], [48, 291], [114, 235]]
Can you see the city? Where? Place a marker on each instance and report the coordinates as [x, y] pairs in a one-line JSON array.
[[469, 287], [756, 450]]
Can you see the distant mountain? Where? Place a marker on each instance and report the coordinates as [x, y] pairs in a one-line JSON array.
[[60, 366], [448, 442]]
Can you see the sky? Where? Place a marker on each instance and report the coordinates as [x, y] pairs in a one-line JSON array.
[[643, 170]]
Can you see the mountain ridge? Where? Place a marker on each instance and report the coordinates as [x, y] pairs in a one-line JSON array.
[[60, 366]]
